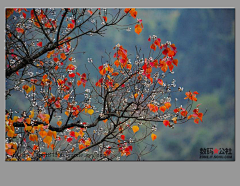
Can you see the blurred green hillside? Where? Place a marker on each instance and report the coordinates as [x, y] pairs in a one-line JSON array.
[[205, 39]]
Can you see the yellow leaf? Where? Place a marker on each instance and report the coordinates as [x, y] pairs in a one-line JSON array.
[[76, 134], [32, 114], [153, 136], [81, 133], [28, 128], [47, 140], [33, 88], [54, 133], [15, 118], [67, 113], [174, 120], [135, 129], [90, 111], [136, 95], [28, 90]]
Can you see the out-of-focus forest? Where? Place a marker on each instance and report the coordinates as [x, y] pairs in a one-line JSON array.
[[205, 41]]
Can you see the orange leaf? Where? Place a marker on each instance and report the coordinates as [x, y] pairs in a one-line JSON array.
[[129, 66], [105, 121], [66, 97], [81, 146], [47, 140], [162, 108], [115, 73], [117, 63], [43, 133], [184, 113], [153, 46], [135, 129], [10, 133], [153, 136], [59, 123], [168, 105], [70, 25], [133, 13], [138, 29], [175, 62], [152, 107], [10, 151], [135, 95], [196, 120], [63, 56], [160, 82]]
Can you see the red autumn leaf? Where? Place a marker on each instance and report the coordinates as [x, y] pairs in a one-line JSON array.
[[24, 15], [69, 139], [70, 25], [165, 51], [20, 30], [90, 12], [166, 123], [105, 18], [196, 120], [79, 82], [184, 113], [171, 53], [170, 67], [153, 46], [39, 44], [71, 75], [72, 134], [160, 82], [130, 148], [152, 107], [175, 62], [122, 137], [63, 56], [157, 42]]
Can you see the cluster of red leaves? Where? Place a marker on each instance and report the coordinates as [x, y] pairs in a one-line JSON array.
[[83, 79], [121, 56], [196, 115], [191, 96]]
